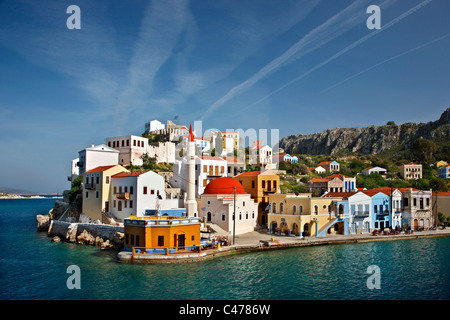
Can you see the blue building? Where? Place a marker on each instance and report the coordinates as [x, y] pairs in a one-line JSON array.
[[444, 172], [381, 209]]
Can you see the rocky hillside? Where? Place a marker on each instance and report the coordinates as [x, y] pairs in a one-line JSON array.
[[368, 140]]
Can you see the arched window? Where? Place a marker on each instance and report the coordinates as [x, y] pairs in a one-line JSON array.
[[301, 209], [274, 207], [294, 209], [281, 207], [316, 209]]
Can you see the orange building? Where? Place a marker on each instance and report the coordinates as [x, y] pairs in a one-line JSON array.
[[155, 234], [260, 184]]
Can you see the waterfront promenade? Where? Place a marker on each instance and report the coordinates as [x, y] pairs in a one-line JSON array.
[[261, 240]]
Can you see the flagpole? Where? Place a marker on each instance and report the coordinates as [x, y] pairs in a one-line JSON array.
[[234, 220]]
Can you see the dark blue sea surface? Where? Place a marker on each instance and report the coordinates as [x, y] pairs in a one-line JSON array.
[[33, 267]]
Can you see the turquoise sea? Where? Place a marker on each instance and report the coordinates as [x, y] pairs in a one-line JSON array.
[[33, 267]]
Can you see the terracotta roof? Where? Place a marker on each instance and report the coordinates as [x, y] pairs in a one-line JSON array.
[[412, 163], [249, 174], [260, 147], [371, 193], [387, 190], [224, 185], [441, 194], [343, 195], [325, 162], [232, 159], [326, 179], [101, 168], [337, 175], [129, 174], [320, 180]]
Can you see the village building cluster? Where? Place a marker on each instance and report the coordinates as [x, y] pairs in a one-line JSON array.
[[167, 211]]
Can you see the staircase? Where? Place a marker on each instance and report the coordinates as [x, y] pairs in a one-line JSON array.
[[214, 228], [322, 232]]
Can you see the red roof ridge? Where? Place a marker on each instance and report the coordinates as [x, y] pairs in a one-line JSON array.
[[101, 168]]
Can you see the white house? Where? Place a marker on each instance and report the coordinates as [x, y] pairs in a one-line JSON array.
[[378, 170], [223, 144], [131, 148], [154, 125], [360, 206], [132, 193], [75, 170], [217, 205], [96, 156], [318, 169], [207, 168], [260, 154]]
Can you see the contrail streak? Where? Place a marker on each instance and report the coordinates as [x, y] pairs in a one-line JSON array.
[[315, 39], [351, 46], [387, 60]]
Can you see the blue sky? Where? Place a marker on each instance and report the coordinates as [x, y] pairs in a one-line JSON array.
[[300, 66]]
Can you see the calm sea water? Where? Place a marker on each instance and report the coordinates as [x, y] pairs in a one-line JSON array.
[[33, 267]]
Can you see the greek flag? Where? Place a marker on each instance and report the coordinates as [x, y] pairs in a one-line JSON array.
[[268, 207]]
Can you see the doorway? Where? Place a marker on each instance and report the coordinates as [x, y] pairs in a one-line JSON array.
[[181, 241]]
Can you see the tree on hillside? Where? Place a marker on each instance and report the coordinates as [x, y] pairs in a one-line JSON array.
[[423, 150]]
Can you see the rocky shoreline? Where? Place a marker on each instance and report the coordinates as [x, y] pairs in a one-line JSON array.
[[102, 235]]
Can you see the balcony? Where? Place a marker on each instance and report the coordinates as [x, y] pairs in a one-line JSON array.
[[90, 186], [123, 195], [361, 214], [271, 190], [383, 213]]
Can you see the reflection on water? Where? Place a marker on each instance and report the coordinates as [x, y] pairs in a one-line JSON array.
[[35, 268]]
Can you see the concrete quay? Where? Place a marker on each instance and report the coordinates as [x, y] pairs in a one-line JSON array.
[[261, 241]]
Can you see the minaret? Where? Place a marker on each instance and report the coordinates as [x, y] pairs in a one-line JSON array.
[[191, 203]]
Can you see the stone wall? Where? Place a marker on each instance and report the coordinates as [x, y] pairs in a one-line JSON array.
[[106, 236]]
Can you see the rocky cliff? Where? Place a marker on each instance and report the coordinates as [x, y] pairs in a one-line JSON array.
[[367, 140]]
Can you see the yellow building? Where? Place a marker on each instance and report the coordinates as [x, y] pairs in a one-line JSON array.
[[260, 184], [441, 163], [311, 216], [411, 171], [96, 188], [156, 234], [233, 135]]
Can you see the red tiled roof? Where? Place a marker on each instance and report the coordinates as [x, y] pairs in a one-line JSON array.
[[343, 195], [232, 159], [101, 168], [441, 194], [337, 175], [387, 190], [320, 180], [129, 174], [324, 162], [249, 174]]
